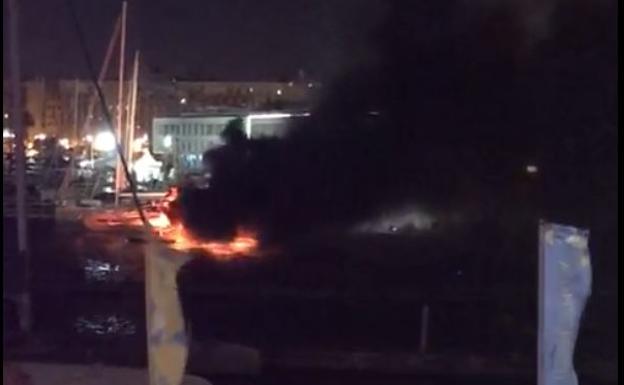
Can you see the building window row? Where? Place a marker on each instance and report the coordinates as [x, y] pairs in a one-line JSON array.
[[196, 129], [194, 147]]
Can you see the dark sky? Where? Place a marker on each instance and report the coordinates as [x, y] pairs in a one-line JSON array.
[[221, 39]]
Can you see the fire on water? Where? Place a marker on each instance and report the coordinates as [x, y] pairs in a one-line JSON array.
[[181, 239], [174, 233]]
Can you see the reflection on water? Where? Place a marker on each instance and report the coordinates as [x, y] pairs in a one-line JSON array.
[[104, 325], [99, 271]]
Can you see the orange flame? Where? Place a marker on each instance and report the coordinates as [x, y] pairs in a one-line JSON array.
[[181, 239], [178, 237]]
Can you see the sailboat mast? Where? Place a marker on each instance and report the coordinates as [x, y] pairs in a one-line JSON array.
[[133, 102], [102, 74], [76, 135], [120, 103], [23, 294]]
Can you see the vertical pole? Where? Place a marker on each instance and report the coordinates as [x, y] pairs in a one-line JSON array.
[[76, 133], [120, 104], [20, 168], [132, 112], [125, 144], [176, 160], [424, 329], [103, 71]]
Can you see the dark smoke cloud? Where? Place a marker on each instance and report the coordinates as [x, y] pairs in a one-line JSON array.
[[460, 99]]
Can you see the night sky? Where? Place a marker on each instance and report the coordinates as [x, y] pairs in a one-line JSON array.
[[226, 39], [229, 40]]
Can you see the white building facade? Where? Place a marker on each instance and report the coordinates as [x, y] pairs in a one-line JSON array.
[[187, 138]]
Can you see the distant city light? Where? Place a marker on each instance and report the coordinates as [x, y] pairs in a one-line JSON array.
[[290, 84], [89, 138], [40, 137], [139, 143], [85, 163], [6, 116], [279, 92], [251, 89], [532, 169], [167, 141], [64, 142], [31, 152], [310, 85], [183, 101], [104, 141], [7, 134]]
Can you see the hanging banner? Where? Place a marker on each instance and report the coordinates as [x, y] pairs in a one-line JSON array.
[[564, 287], [167, 343]]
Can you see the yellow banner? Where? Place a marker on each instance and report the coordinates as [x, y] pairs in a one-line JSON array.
[[166, 335]]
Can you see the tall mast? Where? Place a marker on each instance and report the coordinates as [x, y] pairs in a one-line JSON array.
[[103, 71], [125, 144], [23, 295], [120, 103], [76, 95], [132, 112]]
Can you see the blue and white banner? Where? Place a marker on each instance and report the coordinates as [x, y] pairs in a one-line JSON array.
[[564, 287]]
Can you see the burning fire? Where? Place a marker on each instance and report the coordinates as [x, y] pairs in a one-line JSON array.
[[180, 239], [173, 232]]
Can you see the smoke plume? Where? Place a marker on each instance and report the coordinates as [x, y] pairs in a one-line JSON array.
[[455, 103]]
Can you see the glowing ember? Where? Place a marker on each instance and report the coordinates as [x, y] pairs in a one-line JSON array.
[[174, 233]]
